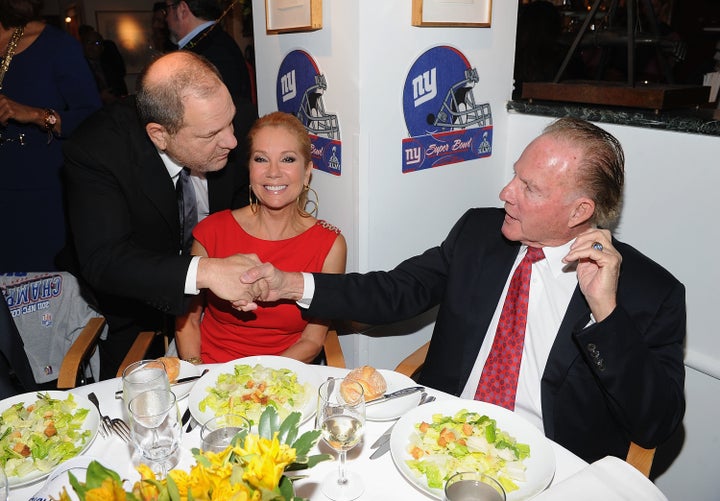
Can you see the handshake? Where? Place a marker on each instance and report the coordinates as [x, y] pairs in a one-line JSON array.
[[243, 280]]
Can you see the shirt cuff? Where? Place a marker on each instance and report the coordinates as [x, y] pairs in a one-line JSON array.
[[308, 290], [191, 277]]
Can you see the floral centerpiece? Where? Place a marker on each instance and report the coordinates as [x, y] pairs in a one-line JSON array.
[[254, 467]]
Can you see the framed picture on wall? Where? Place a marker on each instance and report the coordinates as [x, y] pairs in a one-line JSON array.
[[284, 16], [131, 31], [470, 13]]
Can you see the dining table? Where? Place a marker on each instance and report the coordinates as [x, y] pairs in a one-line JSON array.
[[382, 479]]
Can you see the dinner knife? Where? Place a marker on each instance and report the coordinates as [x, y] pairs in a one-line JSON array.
[[182, 380], [395, 394], [383, 447]]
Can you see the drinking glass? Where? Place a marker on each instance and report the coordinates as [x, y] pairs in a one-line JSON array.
[[155, 428], [473, 486], [341, 417], [142, 376], [4, 494], [217, 433]]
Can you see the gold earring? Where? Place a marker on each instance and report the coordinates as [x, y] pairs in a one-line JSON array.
[[253, 201], [304, 201]]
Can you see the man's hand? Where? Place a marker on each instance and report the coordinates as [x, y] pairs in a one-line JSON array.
[[598, 270], [222, 276], [269, 284]]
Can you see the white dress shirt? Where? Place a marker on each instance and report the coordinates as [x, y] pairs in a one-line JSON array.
[[203, 209], [184, 40], [552, 284]]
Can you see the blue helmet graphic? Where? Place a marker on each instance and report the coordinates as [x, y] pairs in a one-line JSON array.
[[300, 87], [438, 94]]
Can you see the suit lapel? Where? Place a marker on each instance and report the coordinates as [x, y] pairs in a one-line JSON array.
[[493, 267], [157, 185], [562, 355]]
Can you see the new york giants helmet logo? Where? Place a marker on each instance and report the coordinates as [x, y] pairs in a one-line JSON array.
[[438, 94], [300, 87]]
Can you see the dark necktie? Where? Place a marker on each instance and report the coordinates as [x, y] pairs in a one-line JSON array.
[[187, 209], [498, 382]]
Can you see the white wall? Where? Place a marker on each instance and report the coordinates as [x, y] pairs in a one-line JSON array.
[[386, 215]]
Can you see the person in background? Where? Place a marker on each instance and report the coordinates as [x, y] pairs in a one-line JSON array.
[[138, 174], [597, 331], [160, 42], [46, 90], [194, 25], [275, 226], [106, 63]]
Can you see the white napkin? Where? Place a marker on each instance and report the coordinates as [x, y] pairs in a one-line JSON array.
[[608, 479]]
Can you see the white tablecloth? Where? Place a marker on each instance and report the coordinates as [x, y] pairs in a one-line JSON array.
[[383, 481]]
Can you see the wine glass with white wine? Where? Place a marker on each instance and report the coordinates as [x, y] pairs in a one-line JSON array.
[[341, 417]]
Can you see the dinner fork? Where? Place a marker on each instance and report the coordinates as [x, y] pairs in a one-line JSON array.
[[121, 428], [105, 428]]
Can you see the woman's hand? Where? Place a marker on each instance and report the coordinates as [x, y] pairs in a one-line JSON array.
[[21, 113]]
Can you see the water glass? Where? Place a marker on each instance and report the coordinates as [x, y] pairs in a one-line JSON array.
[[473, 486], [155, 428], [4, 488], [142, 376], [217, 433]]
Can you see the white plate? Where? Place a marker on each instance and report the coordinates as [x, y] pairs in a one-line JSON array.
[[186, 370], [393, 409], [305, 375], [92, 421], [540, 465]]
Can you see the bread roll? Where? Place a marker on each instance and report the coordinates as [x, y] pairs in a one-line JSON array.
[[372, 381], [172, 367]]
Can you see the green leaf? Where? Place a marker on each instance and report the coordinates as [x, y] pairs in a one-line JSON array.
[[172, 489], [79, 488], [306, 441], [269, 422], [289, 429], [305, 462], [286, 488]]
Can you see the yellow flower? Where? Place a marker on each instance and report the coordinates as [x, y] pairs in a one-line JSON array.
[[265, 460], [109, 490]]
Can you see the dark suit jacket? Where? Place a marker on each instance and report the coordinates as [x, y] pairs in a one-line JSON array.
[[616, 381], [124, 218]]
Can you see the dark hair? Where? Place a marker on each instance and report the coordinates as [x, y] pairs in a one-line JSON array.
[[15, 13], [602, 167], [159, 6], [208, 10], [162, 102]]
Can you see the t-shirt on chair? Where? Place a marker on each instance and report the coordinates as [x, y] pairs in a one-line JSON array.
[[51, 312]]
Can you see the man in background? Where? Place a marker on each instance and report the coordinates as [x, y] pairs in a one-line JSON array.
[[194, 25], [132, 171]]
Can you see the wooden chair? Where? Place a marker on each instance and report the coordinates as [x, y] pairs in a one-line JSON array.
[[333, 351], [637, 456], [85, 345]]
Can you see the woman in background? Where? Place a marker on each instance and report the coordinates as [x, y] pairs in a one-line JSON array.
[[277, 228], [46, 90]]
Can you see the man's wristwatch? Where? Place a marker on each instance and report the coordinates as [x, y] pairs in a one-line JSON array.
[[194, 360], [50, 119]]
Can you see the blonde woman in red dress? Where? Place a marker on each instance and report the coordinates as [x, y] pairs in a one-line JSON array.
[[277, 227]]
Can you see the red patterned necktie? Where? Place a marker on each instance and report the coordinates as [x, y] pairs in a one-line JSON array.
[[498, 382]]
